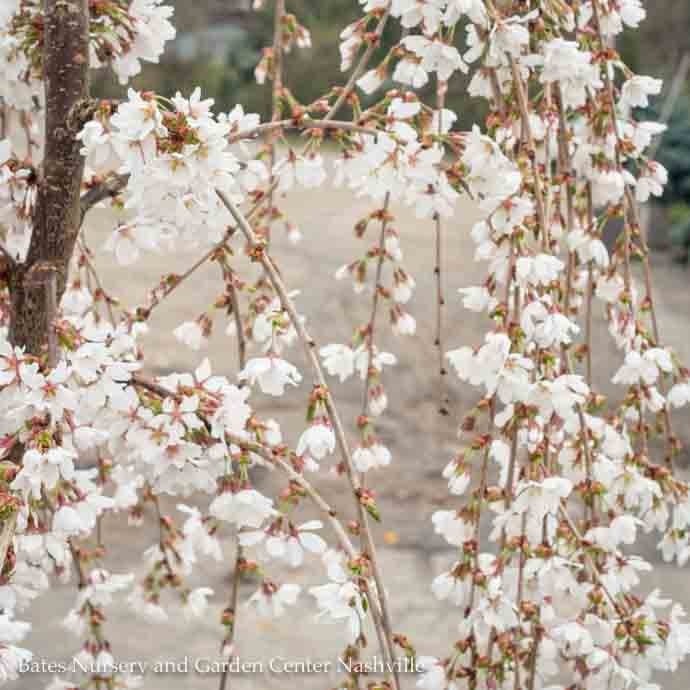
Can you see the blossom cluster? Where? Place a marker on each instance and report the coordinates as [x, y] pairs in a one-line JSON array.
[[123, 33], [552, 483]]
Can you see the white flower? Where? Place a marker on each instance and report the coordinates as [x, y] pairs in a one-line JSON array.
[[378, 401], [288, 546], [197, 537], [196, 605], [574, 639], [403, 287], [80, 517], [492, 174], [643, 367], [588, 248], [474, 9], [608, 187], [77, 299], [309, 171], [636, 91], [148, 609], [541, 269], [622, 529], [138, 118], [458, 480], [339, 360], [349, 46], [341, 602], [73, 622], [370, 81], [433, 674], [494, 367], [631, 12], [294, 234], [96, 148], [5, 151], [101, 586], [452, 527], [436, 56], [370, 457], [246, 508], [462, 361], [191, 334], [272, 373], [559, 396], [43, 469], [477, 299], [127, 240], [448, 586], [541, 499], [443, 121], [573, 68], [378, 361], [610, 289], [411, 72], [679, 395], [271, 601], [404, 323], [11, 656], [509, 36], [400, 109], [496, 610], [545, 326], [318, 440], [652, 181], [151, 29]]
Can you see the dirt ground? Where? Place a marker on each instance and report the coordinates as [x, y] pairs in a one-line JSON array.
[[420, 439]]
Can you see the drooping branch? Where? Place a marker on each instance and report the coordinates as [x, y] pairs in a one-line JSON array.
[[371, 325], [276, 456], [236, 575], [309, 344], [361, 66]]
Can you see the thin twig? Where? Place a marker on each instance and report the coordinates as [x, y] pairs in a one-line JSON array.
[[239, 550], [276, 94], [633, 222], [438, 273], [371, 326], [108, 189], [309, 344], [91, 269], [361, 66], [274, 456]]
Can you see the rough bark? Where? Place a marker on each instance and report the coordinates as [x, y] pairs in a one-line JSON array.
[[57, 216], [37, 284]]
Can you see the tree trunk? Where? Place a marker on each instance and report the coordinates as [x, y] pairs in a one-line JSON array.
[[37, 284], [57, 214]]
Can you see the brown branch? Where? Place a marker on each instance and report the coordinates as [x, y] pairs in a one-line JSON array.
[[239, 549], [302, 124], [371, 326], [444, 400], [108, 189], [274, 456], [259, 249], [632, 223], [361, 66]]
